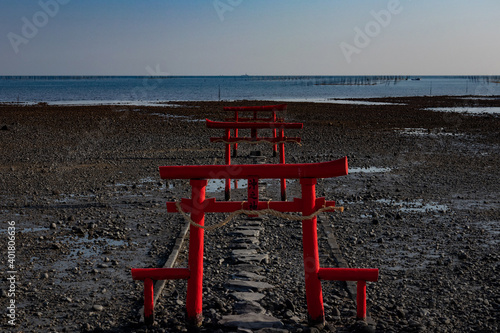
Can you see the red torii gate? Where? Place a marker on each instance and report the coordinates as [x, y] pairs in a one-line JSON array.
[[253, 126], [198, 205], [271, 109]]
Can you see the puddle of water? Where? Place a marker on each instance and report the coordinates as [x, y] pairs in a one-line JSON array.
[[109, 102], [345, 101], [145, 181], [474, 98], [464, 204], [414, 131], [23, 230], [336, 101], [81, 248], [73, 198], [34, 229], [87, 247], [218, 185], [148, 180], [369, 170], [492, 227], [415, 206], [473, 110], [425, 132], [172, 116]]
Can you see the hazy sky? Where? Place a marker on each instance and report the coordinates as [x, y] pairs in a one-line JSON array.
[[257, 37]]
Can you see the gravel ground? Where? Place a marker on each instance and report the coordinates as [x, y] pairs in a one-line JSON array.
[[422, 205]]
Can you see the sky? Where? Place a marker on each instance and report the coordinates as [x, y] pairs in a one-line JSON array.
[[254, 37]]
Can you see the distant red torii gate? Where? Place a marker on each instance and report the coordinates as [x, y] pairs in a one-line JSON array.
[[255, 110], [198, 205], [254, 126]]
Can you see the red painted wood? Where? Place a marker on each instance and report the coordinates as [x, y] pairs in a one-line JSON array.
[[361, 299], [275, 147], [160, 273], [227, 189], [253, 193], [247, 125], [278, 107], [236, 118], [321, 202], [310, 170], [253, 132], [282, 161], [314, 294], [194, 297], [235, 145], [348, 274], [227, 137], [268, 119], [256, 139], [361, 275], [148, 302]]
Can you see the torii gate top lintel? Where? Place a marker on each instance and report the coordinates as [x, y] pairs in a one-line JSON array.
[[250, 125], [279, 107], [330, 169]]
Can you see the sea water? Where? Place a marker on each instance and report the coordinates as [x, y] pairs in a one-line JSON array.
[[131, 89]]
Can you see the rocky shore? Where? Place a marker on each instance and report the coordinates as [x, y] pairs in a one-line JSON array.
[[81, 184]]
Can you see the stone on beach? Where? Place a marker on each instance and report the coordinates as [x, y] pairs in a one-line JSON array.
[[247, 296], [242, 285], [251, 321]]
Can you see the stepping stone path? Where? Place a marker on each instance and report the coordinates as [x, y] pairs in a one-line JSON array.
[[246, 285]]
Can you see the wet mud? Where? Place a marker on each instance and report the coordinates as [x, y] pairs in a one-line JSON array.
[[421, 204]]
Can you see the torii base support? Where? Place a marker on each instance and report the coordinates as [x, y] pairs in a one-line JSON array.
[[148, 275], [360, 275]]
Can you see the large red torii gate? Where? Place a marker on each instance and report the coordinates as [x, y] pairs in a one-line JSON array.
[[198, 205]]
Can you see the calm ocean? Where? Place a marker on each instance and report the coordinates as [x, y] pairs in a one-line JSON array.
[[102, 89]]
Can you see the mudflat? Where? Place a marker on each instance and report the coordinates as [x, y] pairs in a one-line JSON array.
[[82, 186]]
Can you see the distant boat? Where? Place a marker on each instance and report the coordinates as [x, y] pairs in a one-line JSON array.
[[415, 79]]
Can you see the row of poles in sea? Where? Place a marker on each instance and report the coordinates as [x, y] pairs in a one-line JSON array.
[[320, 79], [366, 79]]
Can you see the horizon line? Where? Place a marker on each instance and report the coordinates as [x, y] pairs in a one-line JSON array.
[[254, 75]]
